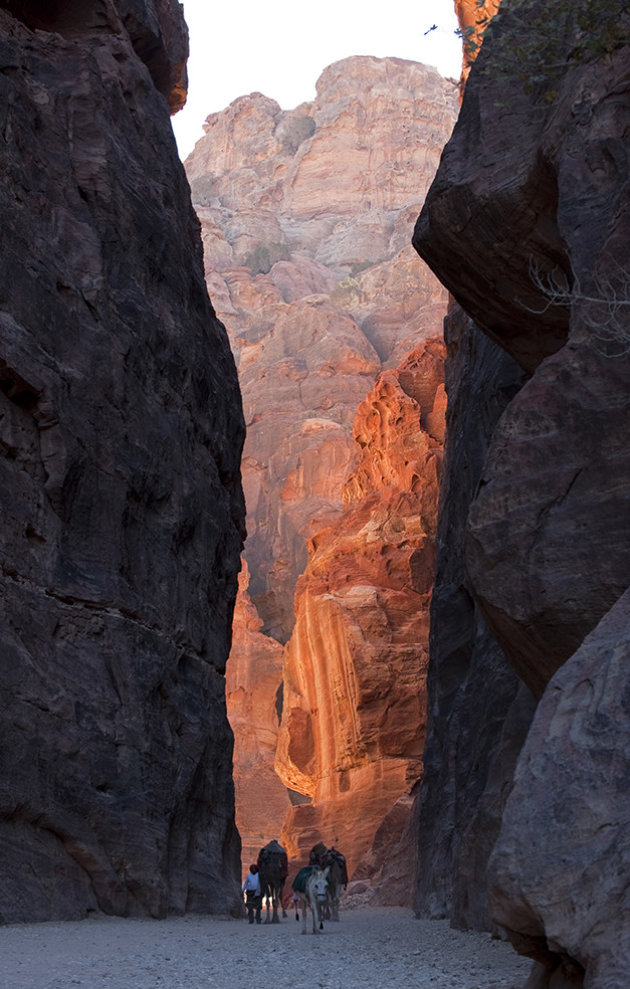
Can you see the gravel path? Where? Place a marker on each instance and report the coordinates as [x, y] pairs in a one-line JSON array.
[[371, 949]]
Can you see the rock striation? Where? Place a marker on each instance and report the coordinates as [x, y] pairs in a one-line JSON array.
[[120, 434], [305, 219], [353, 713], [546, 546]]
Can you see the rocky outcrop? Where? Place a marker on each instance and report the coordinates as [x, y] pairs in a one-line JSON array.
[[561, 449], [353, 714], [306, 223], [563, 901], [547, 547], [120, 433]]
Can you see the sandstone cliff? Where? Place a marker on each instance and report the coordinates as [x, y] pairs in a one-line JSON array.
[[120, 432], [528, 225], [306, 218], [353, 715]]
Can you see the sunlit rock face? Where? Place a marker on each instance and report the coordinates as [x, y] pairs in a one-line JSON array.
[[525, 175], [254, 702], [473, 17], [120, 433], [306, 219], [353, 716]]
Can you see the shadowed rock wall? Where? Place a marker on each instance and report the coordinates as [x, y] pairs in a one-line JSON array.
[[477, 712], [120, 435], [528, 224]]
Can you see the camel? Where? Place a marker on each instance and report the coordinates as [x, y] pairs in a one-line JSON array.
[[337, 877], [273, 869]]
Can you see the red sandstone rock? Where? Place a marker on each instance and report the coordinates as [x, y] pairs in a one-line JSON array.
[[473, 17], [306, 233], [352, 727], [254, 700]]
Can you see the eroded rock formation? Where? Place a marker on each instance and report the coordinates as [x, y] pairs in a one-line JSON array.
[[305, 219], [353, 716], [120, 433], [528, 224]]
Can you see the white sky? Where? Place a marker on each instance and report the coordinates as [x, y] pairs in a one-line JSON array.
[[280, 47]]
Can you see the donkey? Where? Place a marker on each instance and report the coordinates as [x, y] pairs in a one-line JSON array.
[[312, 895], [337, 875], [273, 869]]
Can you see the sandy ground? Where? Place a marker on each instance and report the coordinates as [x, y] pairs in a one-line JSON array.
[[369, 948]]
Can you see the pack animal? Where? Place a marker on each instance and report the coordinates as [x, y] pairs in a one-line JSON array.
[[337, 876], [312, 894], [273, 870]]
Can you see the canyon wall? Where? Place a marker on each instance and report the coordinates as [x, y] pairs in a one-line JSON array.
[[306, 218], [120, 434], [527, 224], [353, 718]]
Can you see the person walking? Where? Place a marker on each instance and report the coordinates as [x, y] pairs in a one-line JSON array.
[[253, 894]]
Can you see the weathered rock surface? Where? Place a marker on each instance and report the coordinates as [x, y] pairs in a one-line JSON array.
[[477, 712], [120, 433], [547, 549], [549, 546], [562, 894], [353, 716], [305, 220]]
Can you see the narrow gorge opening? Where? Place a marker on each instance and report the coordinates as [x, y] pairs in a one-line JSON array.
[[336, 328]]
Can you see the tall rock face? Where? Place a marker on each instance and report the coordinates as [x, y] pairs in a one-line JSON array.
[[305, 220], [353, 715], [478, 712], [546, 547], [254, 703], [120, 434]]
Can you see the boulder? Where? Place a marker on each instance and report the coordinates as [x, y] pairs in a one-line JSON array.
[[561, 866]]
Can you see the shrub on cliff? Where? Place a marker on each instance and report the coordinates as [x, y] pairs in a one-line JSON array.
[[262, 259]]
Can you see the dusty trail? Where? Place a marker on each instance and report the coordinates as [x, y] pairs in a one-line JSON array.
[[371, 949]]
